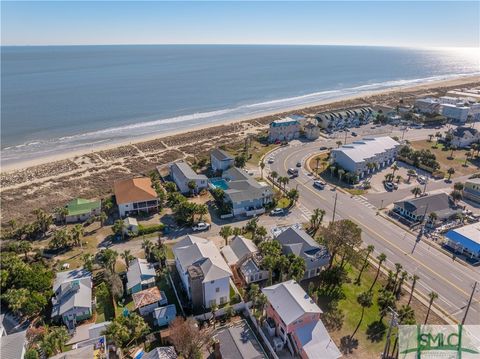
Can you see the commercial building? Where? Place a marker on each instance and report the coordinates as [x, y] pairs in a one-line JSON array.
[[471, 190], [182, 174], [455, 113], [297, 241], [356, 156], [244, 259], [415, 210], [286, 129], [428, 106], [244, 193], [135, 195], [297, 321], [312, 131], [221, 160], [465, 239], [72, 301], [204, 273]]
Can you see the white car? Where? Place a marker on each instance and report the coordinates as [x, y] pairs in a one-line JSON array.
[[277, 212], [201, 226], [319, 184], [270, 160], [422, 179]]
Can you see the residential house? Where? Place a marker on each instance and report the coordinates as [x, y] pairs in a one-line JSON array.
[[182, 174], [85, 352], [164, 315], [464, 136], [221, 160], [471, 190], [237, 341], [140, 275], [13, 346], [204, 273], [356, 156], [161, 353], [285, 129], [297, 241], [466, 240], [72, 301], [244, 259], [334, 120], [245, 194], [131, 225], [429, 106], [474, 112], [312, 131], [414, 210], [297, 321], [135, 195], [147, 300], [455, 113], [80, 209]]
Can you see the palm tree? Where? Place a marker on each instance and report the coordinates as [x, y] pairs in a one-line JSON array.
[[119, 228], [410, 173], [260, 234], [450, 172], [365, 300], [453, 149], [108, 258], [262, 166], [468, 154], [385, 300], [225, 232], [102, 218], [274, 175], [236, 231], [456, 195], [398, 290], [269, 262], [339, 143], [432, 217], [414, 279], [394, 168], [369, 251], [77, 234], [192, 186], [25, 247], [382, 257], [416, 191], [398, 178], [283, 265], [398, 268], [61, 213], [61, 238], [293, 195], [127, 256], [147, 246], [432, 296], [201, 210], [340, 173], [316, 219], [286, 180]]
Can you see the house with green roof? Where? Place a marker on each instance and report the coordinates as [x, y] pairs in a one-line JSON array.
[[80, 209]]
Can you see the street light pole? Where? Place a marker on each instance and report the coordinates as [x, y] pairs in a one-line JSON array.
[[393, 322], [334, 208], [469, 303]]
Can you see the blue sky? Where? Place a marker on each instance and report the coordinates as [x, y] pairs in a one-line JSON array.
[[392, 23]]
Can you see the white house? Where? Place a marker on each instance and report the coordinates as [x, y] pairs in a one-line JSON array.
[[182, 174], [456, 113], [131, 225], [354, 157], [428, 105], [72, 301], [285, 129], [221, 160], [464, 136], [13, 346], [204, 273], [475, 112], [135, 195], [246, 195]]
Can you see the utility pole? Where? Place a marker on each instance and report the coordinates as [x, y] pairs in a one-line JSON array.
[[393, 322], [345, 141], [425, 186], [334, 208], [469, 303]]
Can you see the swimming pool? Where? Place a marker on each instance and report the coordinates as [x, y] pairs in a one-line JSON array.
[[219, 183]]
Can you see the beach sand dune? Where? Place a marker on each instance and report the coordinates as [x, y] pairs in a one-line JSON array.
[[49, 183]]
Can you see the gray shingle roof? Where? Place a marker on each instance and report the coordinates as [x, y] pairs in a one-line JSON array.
[[137, 268], [290, 301], [161, 353], [186, 171], [12, 346], [440, 203], [242, 187], [73, 289], [221, 155], [239, 342], [80, 353], [239, 247]]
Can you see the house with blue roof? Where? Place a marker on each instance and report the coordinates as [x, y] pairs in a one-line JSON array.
[[465, 239], [164, 315]]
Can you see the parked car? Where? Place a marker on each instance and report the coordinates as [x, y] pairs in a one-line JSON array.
[[422, 179], [354, 134], [389, 186], [323, 148], [201, 226], [299, 164], [277, 212], [270, 160], [319, 184], [293, 171]]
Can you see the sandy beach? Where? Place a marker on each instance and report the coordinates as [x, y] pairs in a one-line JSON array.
[[51, 181]]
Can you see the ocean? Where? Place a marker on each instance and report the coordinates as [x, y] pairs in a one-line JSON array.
[[56, 99]]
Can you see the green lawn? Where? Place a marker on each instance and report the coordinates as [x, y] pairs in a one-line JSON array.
[[169, 248], [165, 286], [105, 311]]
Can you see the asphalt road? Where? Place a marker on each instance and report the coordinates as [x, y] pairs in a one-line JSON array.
[[452, 280]]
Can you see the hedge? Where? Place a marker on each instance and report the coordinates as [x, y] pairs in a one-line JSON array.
[[150, 229]]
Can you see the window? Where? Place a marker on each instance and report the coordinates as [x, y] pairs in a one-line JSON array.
[[217, 290]]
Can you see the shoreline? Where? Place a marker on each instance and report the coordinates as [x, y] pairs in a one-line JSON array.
[[25, 164]]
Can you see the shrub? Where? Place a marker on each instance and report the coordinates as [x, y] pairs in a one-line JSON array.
[[142, 230]]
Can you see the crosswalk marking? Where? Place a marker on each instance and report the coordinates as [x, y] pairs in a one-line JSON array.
[[364, 201]]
